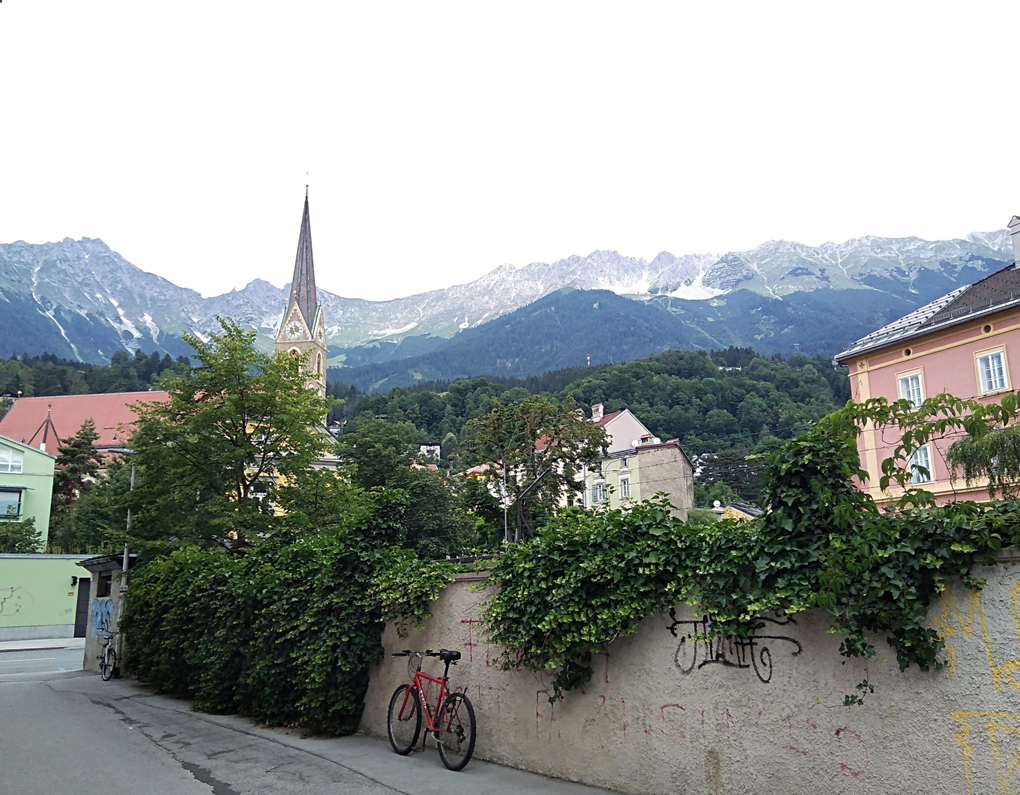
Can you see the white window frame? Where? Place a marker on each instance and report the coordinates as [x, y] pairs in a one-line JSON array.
[[983, 363], [625, 487], [921, 457], [598, 492], [12, 461], [906, 382]]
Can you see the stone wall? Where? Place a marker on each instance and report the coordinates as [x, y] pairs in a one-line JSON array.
[[665, 714]]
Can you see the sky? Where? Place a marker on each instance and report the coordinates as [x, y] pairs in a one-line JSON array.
[[441, 140]]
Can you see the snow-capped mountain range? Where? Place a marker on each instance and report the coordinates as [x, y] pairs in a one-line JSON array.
[[81, 300]]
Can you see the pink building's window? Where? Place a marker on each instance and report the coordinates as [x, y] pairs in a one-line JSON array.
[[910, 389], [992, 372], [920, 465]]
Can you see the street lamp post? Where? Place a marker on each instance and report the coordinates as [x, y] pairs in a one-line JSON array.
[[131, 487]]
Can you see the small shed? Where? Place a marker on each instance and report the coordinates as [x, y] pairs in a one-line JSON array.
[[106, 603]]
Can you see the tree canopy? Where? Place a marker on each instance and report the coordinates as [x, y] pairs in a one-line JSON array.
[[237, 422]]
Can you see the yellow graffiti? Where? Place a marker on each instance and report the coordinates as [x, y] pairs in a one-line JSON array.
[[1005, 768], [975, 610]]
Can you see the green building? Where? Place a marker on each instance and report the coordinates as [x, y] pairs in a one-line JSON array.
[[43, 596], [26, 484]]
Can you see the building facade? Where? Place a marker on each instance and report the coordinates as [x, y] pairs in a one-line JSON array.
[[26, 484], [637, 466], [966, 343], [303, 329]]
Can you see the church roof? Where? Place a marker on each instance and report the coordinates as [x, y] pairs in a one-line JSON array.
[[302, 286]]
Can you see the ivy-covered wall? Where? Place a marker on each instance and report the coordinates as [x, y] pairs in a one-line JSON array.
[[665, 713]]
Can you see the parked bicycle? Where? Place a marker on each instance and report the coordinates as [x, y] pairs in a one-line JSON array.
[[451, 720], [108, 657]]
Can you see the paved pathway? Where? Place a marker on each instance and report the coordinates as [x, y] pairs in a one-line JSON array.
[[72, 732]]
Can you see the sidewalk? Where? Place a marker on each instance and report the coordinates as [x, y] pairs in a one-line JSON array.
[[41, 644]]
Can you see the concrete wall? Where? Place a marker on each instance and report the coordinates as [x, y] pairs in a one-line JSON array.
[[657, 719], [37, 599]]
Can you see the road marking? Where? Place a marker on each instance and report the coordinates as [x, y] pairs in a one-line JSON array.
[[25, 660]]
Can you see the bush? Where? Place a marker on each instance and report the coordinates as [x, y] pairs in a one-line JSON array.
[[283, 632]]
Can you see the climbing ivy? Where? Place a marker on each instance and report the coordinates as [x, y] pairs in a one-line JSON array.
[[590, 577]]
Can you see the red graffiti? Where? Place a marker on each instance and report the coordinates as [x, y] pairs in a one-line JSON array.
[[847, 770], [539, 716], [662, 714], [789, 727], [729, 720], [470, 643]]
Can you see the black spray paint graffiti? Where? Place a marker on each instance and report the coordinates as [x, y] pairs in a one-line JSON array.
[[14, 600], [102, 617], [695, 650]]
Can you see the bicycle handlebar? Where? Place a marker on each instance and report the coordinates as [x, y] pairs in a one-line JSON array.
[[426, 653]]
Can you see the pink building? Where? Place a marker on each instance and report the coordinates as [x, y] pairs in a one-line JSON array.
[[966, 343]]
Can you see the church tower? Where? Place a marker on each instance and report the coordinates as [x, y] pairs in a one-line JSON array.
[[303, 328]]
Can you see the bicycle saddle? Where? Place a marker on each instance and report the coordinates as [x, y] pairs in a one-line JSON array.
[[447, 655]]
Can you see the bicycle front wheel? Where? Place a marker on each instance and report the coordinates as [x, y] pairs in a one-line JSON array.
[[457, 741], [403, 721], [106, 664]]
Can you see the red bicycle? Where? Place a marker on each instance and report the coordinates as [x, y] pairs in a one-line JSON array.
[[451, 721]]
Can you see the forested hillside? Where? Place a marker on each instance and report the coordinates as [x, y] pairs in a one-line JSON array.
[[723, 406], [32, 376]]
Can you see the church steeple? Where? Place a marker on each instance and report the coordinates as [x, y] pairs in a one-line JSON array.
[[302, 285], [303, 329]]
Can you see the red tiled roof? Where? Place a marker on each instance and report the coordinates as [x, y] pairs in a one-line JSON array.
[[111, 413], [607, 417]]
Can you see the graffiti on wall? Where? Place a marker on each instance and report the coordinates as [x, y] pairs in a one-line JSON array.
[[988, 739], [14, 600], [695, 650], [102, 617]]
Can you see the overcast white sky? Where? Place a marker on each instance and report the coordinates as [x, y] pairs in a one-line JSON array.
[[443, 139]]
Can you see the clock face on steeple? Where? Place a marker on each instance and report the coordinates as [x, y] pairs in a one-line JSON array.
[[293, 330], [320, 334]]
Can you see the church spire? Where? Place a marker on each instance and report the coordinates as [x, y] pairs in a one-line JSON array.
[[302, 286]]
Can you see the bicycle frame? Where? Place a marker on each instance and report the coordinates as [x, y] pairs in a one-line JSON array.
[[416, 683]]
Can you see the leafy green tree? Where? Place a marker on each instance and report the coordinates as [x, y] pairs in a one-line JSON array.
[[378, 451], [210, 457], [20, 538], [541, 446], [384, 455], [96, 521], [993, 455]]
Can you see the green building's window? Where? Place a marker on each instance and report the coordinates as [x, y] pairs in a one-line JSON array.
[[10, 504], [10, 459]]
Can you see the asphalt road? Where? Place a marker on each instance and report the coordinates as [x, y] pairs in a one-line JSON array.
[[70, 732], [24, 663]]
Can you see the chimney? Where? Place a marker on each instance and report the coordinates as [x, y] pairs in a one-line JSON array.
[[596, 410], [1014, 232]]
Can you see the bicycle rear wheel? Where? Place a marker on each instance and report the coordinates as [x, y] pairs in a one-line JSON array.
[[107, 663], [457, 742], [403, 721]]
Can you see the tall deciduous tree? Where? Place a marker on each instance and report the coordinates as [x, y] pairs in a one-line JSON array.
[[209, 458], [540, 446]]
